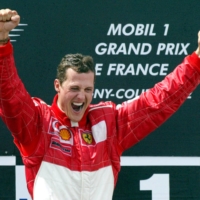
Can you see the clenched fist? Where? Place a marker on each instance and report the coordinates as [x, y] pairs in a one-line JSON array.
[[9, 19], [198, 49]]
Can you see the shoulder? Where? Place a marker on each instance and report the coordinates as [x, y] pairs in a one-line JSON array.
[[37, 101], [41, 105], [103, 111], [107, 105]]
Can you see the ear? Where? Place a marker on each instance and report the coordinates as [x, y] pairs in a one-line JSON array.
[[57, 85]]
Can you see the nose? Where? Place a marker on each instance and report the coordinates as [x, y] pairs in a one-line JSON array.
[[81, 96]]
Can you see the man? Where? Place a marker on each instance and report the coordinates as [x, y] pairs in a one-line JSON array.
[[72, 149]]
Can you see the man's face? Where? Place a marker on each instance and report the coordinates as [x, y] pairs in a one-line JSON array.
[[75, 93]]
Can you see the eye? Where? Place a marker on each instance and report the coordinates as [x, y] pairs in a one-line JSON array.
[[74, 89], [89, 90]]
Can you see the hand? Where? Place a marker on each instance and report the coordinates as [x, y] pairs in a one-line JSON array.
[[198, 49], [9, 19]]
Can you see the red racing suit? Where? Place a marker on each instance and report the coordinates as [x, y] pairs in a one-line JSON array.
[[68, 160]]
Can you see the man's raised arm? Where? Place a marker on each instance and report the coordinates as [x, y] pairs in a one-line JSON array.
[[17, 109]]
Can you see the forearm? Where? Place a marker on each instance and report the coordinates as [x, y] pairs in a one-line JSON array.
[[8, 73], [4, 41], [16, 106], [4, 38]]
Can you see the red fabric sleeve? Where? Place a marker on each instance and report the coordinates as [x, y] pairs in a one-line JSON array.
[[194, 60], [6, 49], [139, 117]]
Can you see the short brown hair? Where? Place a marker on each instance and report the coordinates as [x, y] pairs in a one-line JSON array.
[[78, 62]]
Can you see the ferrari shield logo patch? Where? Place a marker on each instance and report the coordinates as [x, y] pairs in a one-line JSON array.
[[87, 137]]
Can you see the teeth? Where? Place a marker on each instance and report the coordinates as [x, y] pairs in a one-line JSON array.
[[77, 104]]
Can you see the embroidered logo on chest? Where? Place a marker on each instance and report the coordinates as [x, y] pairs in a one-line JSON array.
[[64, 134], [60, 131], [86, 138]]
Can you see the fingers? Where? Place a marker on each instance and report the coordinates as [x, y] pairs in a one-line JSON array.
[[9, 19], [198, 35], [199, 38], [8, 15], [198, 48]]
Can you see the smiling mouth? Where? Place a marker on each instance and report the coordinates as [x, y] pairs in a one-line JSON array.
[[77, 106]]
